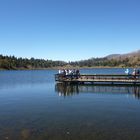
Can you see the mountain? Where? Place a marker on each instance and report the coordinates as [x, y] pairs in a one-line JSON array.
[[113, 56], [122, 56], [114, 60], [135, 53]]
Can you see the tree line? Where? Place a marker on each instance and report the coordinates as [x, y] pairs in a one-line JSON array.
[[133, 61], [12, 62]]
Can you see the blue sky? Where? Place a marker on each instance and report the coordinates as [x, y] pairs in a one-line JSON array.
[[69, 30]]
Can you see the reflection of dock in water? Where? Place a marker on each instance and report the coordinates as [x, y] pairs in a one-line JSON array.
[[69, 90], [66, 90]]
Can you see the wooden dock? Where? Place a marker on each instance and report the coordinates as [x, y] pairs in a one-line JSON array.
[[98, 79]]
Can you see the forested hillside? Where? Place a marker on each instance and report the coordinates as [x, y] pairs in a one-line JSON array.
[[12, 62], [106, 62], [114, 60]]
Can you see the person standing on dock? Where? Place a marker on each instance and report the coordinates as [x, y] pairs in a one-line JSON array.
[[134, 73], [77, 74], [127, 71]]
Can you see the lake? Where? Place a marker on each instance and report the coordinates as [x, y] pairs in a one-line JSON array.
[[34, 107]]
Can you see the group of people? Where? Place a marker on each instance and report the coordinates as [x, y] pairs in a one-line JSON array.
[[69, 72], [134, 73]]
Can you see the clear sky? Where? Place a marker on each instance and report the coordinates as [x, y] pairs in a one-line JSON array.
[[69, 30]]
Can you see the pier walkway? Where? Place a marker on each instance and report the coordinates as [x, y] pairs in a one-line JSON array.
[[98, 79]]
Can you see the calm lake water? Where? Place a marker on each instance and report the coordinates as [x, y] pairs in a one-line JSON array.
[[34, 107]]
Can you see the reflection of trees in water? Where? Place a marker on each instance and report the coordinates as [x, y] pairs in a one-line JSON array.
[[68, 90]]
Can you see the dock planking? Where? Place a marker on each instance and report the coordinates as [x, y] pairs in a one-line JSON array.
[[98, 79]]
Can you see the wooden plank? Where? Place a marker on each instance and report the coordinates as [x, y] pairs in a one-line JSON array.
[[98, 78]]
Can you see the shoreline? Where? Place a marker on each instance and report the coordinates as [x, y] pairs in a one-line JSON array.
[[64, 67]]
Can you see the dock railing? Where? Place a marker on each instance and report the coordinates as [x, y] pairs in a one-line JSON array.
[[98, 78]]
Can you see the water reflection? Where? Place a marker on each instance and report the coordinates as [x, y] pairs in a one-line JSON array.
[[24, 78], [68, 90]]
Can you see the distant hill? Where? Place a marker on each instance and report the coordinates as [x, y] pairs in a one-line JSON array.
[[122, 56], [113, 60], [113, 56], [135, 53]]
